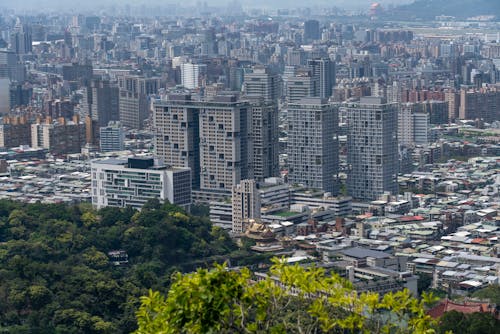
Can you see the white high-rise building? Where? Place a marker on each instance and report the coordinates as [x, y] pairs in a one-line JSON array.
[[413, 125], [245, 203], [192, 75], [372, 148]]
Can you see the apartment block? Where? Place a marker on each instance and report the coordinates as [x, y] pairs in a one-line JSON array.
[[372, 148], [210, 137], [312, 149], [245, 204]]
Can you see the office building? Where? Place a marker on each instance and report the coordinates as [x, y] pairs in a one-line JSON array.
[[372, 148], [91, 132], [101, 102], [134, 99], [10, 68], [312, 149], [311, 30], [262, 83], [21, 39], [20, 95], [209, 42], [4, 96], [134, 181], [8, 60], [210, 137], [192, 75], [112, 137], [245, 204], [303, 84], [324, 70]]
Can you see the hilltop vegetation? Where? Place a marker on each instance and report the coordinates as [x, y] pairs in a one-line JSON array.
[[56, 275]]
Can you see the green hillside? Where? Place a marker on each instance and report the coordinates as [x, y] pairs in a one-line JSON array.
[[56, 275]]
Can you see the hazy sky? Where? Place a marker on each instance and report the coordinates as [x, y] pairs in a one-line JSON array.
[[41, 5]]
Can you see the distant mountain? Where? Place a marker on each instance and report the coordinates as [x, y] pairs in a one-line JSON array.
[[462, 9]]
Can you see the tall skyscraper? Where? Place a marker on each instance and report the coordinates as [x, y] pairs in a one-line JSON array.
[[453, 99], [262, 89], [372, 148], [101, 102], [209, 42], [245, 204], [21, 39], [210, 137], [134, 99], [265, 139], [226, 153], [324, 70], [312, 147], [311, 30]]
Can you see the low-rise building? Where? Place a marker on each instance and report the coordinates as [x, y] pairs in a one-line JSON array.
[[134, 181]]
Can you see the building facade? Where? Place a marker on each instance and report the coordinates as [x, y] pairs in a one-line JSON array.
[[192, 75], [59, 137], [101, 102], [245, 204], [14, 132], [134, 181], [211, 137], [134, 99], [262, 83], [324, 70], [372, 148], [112, 137], [480, 104], [312, 149]]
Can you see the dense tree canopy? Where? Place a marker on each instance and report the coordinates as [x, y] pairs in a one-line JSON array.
[[291, 299], [475, 323], [56, 275], [491, 293]]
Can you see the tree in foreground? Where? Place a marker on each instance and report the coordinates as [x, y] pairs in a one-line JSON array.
[[290, 299]]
